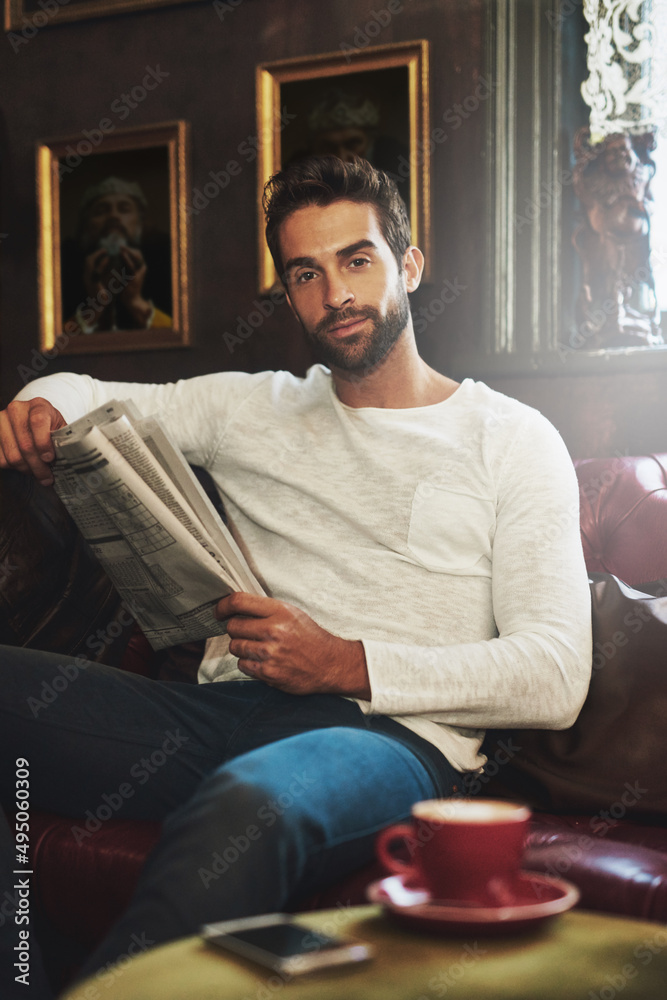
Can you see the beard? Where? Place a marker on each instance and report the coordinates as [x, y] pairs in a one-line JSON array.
[[362, 351]]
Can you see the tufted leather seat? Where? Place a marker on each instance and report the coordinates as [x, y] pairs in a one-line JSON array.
[[623, 516], [80, 891]]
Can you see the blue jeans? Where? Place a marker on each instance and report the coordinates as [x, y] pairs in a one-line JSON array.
[[264, 797]]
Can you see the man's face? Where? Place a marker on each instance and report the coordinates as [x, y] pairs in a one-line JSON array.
[[112, 213], [344, 284]]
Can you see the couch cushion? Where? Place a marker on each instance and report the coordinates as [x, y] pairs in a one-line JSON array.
[[611, 761], [612, 876], [624, 516], [83, 884]]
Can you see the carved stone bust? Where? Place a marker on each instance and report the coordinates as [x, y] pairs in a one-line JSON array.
[[617, 305]]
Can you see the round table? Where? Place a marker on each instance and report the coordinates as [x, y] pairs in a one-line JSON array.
[[576, 956]]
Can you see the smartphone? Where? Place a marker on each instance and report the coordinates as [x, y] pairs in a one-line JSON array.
[[275, 941]]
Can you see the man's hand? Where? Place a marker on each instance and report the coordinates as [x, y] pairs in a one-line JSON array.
[[96, 267], [132, 295], [25, 437], [280, 644]]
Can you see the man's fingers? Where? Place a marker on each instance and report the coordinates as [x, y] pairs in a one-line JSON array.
[[96, 257], [251, 668], [246, 667], [134, 260], [16, 434], [255, 629], [25, 437], [240, 603], [38, 432], [10, 456], [32, 424], [96, 263], [248, 649]]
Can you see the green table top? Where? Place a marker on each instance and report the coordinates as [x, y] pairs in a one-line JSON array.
[[576, 956]]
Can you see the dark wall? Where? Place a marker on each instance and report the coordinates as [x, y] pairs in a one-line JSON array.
[[66, 79], [599, 415]]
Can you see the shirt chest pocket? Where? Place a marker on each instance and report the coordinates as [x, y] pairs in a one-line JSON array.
[[451, 532]]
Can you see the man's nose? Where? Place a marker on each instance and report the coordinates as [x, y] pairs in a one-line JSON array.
[[338, 293]]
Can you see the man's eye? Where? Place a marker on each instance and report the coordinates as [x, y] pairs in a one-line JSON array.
[[305, 276], [359, 262]]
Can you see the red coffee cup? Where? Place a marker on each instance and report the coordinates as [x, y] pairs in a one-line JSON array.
[[463, 850]]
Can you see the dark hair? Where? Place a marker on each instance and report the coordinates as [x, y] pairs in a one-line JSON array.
[[322, 180]]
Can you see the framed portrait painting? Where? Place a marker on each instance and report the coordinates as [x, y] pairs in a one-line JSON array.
[[24, 18], [114, 240], [369, 102]]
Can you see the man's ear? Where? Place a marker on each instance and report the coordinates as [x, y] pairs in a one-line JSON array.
[[413, 267], [287, 296]]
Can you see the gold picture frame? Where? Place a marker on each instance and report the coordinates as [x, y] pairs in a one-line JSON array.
[[386, 88], [27, 17], [89, 311]]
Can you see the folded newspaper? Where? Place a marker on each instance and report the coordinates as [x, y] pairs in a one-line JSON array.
[[149, 522]]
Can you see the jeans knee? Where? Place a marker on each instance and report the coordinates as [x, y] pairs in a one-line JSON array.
[[265, 797], [243, 803], [240, 827]]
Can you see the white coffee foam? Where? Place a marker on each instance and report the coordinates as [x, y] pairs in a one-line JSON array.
[[470, 811]]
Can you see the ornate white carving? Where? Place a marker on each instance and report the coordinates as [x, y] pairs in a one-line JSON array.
[[627, 62]]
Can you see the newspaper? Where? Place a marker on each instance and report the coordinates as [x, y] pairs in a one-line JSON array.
[[149, 522]]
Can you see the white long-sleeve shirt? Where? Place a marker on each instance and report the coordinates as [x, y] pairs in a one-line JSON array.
[[445, 537]]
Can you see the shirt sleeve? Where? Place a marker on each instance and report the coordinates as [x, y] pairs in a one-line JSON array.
[[536, 672], [194, 412]]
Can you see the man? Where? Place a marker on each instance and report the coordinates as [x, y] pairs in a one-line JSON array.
[[348, 125], [420, 543], [115, 269]]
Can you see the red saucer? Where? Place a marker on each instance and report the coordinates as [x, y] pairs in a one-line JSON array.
[[537, 898]]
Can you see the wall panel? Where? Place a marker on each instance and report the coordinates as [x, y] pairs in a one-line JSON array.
[[67, 78]]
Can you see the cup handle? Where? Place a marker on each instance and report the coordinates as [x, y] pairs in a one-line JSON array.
[[401, 831]]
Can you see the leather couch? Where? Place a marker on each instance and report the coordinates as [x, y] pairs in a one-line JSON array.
[[598, 789]]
